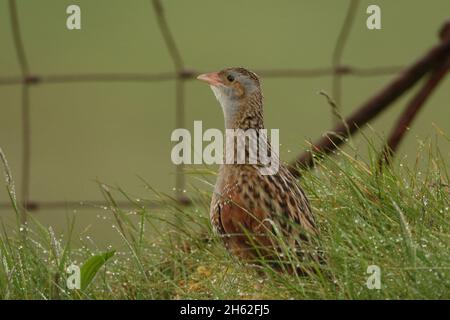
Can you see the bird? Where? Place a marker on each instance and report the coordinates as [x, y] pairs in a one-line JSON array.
[[246, 205]]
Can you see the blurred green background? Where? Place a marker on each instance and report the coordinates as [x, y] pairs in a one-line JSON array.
[[115, 131]]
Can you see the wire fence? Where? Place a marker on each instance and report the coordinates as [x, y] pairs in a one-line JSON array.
[[180, 75]]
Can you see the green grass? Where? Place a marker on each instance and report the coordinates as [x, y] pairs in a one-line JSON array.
[[397, 219]]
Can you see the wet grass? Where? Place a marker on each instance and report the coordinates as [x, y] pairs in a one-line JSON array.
[[397, 219]]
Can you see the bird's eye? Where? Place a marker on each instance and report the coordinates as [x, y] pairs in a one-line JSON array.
[[230, 78]]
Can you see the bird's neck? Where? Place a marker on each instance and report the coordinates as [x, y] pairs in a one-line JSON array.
[[246, 120], [245, 114]]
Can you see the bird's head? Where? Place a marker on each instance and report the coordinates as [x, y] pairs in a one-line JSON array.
[[239, 93]]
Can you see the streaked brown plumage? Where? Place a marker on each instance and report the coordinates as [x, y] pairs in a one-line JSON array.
[[245, 201]]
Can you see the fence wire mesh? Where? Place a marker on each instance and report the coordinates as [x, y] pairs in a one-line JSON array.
[[180, 75]]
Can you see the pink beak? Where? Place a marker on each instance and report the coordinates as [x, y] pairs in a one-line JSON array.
[[213, 78]]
